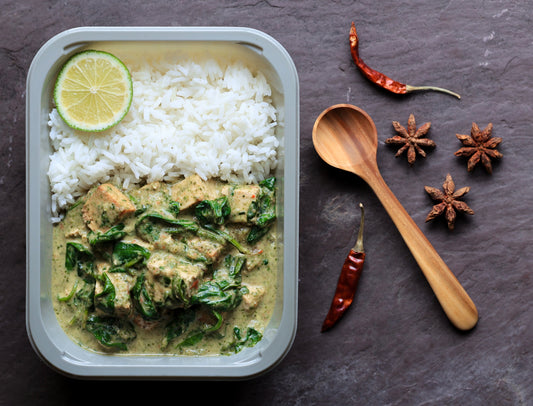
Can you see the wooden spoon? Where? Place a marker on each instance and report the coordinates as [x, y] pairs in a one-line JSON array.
[[345, 137]]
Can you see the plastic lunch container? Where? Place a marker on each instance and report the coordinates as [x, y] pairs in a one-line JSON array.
[[45, 334]]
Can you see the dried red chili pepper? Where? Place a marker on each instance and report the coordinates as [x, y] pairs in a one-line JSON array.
[[348, 279], [379, 78]]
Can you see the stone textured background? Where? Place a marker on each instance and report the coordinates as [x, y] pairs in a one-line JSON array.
[[395, 346]]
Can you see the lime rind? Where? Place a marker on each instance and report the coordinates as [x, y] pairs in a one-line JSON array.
[[61, 77]]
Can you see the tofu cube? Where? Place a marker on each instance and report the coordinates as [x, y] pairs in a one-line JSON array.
[[164, 267], [252, 299], [240, 198], [190, 191], [211, 250], [122, 283], [106, 206]]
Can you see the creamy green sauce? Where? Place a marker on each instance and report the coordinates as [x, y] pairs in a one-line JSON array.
[[169, 281]]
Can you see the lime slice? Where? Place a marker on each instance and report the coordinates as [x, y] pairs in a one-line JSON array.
[[93, 91]]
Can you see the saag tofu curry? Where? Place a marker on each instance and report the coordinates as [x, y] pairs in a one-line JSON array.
[[188, 268]]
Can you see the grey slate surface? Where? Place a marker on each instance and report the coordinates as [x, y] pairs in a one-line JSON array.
[[395, 346]]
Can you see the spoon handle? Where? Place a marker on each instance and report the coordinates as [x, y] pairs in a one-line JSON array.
[[456, 303]]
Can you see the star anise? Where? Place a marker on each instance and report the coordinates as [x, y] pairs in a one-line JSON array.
[[449, 204], [411, 139], [480, 146]]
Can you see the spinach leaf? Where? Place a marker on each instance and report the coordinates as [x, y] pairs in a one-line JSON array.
[[126, 255], [180, 226], [224, 292], [113, 234], [213, 211], [178, 325], [210, 232], [262, 211], [217, 325], [83, 302], [192, 339], [105, 300], [218, 295], [269, 183], [140, 211], [252, 338], [256, 233], [80, 258], [234, 264], [181, 321], [76, 204], [150, 225], [111, 332], [174, 208], [179, 291], [142, 300], [70, 295]]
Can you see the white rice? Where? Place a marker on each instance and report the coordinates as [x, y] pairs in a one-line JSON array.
[[209, 118]]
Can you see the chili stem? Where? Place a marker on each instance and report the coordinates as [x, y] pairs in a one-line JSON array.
[[358, 247], [409, 88]]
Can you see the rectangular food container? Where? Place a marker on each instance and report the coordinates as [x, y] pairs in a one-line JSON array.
[[45, 334]]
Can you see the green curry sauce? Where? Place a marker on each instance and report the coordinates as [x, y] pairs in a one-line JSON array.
[[188, 268]]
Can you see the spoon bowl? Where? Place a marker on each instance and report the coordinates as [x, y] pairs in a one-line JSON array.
[[345, 137]]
